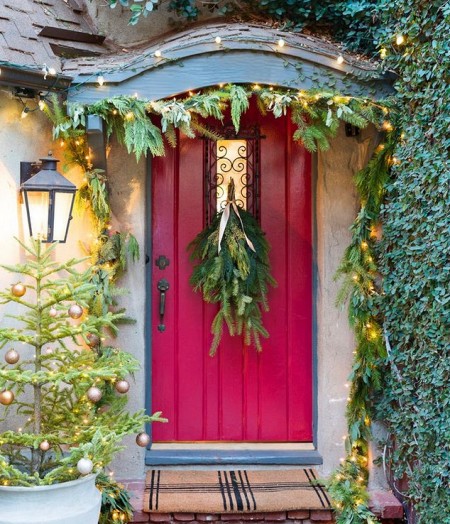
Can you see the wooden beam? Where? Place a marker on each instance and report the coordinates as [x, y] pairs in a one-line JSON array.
[[73, 36]]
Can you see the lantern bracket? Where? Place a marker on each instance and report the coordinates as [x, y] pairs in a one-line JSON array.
[[27, 170]]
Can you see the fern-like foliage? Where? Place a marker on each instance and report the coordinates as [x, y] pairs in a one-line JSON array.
[[239, 104], [237, 278]]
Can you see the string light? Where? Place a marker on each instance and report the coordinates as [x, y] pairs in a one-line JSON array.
[[100, 80], [281, 42], [41, 105], [158, 53], [340, 59], [387, 126], [383, 53], [25, 112], [400, 39], [218, 40]]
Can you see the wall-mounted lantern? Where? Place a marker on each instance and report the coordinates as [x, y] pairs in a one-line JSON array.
[[48, 199]]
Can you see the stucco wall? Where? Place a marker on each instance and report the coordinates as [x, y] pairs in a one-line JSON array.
[[336, 206], [127, 189], [114, 22]]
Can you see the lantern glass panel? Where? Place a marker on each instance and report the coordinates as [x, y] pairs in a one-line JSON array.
[[38, 205], [62, 213]]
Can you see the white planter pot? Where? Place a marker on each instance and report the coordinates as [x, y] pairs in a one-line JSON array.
[[74, 502]]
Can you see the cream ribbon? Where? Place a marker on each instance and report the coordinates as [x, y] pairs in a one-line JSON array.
[[224, 221]]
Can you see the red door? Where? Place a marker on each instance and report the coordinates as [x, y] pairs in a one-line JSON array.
[[238, 395]]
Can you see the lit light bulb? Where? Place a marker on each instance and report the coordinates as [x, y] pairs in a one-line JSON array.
[[100, 80], [41, 105], [25, 112], [158, 53], [340, 59], [400, 39], [218, 40], [281, 42], [383, 53], [52, 71]]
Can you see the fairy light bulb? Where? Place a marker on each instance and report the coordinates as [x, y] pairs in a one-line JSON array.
[[52, 71], [218, 40], [340, 59], [41, 105], [399, 39], [100, 80], [158, 53], [383, 53], [281, 42]]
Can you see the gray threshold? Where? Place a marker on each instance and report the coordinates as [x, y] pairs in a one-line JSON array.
[[191, 457]]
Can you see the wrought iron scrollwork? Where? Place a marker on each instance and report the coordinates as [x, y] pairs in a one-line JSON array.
[[245, 165]]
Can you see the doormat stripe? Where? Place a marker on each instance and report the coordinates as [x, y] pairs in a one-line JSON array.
[[188, 491]]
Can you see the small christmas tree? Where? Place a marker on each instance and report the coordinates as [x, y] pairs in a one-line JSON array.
[[58, 383]]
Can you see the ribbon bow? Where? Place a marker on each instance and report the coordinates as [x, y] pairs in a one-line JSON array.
[[231, 204]]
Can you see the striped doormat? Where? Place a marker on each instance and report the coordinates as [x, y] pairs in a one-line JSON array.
[[192, 491]]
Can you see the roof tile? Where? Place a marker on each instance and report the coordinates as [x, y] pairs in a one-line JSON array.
[[22, 21]]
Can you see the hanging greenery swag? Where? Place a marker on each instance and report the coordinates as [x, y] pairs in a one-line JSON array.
[[233, 269], [145, 127]]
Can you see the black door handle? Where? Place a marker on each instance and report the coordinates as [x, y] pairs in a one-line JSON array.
[[163, 287]]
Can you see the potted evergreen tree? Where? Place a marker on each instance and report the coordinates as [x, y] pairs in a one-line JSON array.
[[62, 393]]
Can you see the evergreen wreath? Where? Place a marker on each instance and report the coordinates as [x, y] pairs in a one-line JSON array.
[[233, 271]]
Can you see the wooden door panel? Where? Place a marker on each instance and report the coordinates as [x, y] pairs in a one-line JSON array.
[[238, 395]]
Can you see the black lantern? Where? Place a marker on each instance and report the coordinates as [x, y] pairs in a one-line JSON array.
[[48, 199]]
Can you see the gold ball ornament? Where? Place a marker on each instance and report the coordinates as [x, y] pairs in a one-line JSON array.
[[143, 439], [52, 312], [6, 397], [122, 386], [94, 394], [93, 340], [12, 356], [18, 290], [75, 311], [44, 445]]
